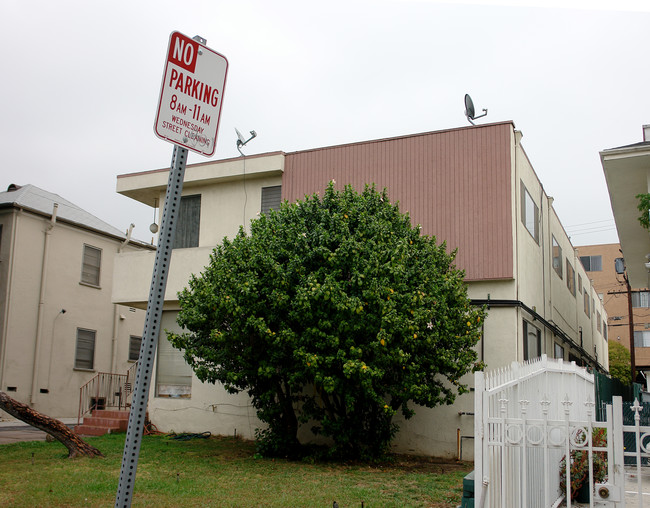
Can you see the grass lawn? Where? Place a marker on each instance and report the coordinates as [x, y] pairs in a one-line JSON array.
[[218, 471]]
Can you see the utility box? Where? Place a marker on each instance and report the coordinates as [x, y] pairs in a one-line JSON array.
[[468, 491]]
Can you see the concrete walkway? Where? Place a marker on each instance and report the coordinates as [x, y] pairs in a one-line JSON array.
[[631, 487], [14, 431]]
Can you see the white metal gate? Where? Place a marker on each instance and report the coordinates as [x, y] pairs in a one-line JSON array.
[[529, 417]]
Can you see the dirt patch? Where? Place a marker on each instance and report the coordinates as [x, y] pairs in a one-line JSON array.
[[412, 463]]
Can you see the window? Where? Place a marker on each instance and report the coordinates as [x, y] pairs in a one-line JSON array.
[[529, 213], [173, 375], [557, 257], [599, 325], [532, 341], [189, 222], [642, 339], [641, 299], [592, 263], [579, 285], [85, 350], [604, 330], [134, 347], [558, 351], [586, 303], [271, 198], [90, 265], [570, 278]]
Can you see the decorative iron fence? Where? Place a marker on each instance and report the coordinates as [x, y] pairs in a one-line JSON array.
[[531, 417]]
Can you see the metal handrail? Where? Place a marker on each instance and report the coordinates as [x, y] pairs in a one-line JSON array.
[[106, 390]]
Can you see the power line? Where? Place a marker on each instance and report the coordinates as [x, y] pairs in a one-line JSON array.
[[589, 223]]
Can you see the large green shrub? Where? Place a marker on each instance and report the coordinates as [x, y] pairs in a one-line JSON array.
[[336, 312]]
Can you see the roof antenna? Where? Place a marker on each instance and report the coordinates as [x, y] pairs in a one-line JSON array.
[[469, 110], [241, 141]]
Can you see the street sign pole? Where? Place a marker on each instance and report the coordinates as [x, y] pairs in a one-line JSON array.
[[188, 115], [151, 332]]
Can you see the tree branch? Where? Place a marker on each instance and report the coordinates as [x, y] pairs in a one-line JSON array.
[[76, 446]]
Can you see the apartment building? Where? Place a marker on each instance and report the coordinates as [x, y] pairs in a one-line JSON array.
[[473, 187]]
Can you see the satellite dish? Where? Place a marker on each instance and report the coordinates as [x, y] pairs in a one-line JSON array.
[[241, 140], [470, 112]]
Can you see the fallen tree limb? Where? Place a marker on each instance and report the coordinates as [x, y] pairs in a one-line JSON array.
[[76, 446]]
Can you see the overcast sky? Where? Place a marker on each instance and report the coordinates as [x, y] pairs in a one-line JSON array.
[[81, 79]]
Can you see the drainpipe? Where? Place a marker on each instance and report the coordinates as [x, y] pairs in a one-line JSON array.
[[518, 205], [5, 328], [41, 302], [116, 309], [116, 324]]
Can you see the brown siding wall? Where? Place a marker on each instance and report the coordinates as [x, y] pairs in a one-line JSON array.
[[456, 184]]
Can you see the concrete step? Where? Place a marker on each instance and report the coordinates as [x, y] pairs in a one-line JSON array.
[[103, 421], [90, 430], [117, 424], [110, 413]]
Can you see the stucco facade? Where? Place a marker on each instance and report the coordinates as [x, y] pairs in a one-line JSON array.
[[46, 301], [465, 186]]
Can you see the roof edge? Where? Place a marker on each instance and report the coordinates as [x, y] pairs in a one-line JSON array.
[[406, 136]]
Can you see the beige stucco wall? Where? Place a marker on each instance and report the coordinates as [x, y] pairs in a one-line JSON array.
[[538, 284], [209, 408], [85, 307]]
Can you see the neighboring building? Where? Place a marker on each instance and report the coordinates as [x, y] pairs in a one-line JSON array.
[[599, 263], [627, 172], [472, 187], [58, 326]]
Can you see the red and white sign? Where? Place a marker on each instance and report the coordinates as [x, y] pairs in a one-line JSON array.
[[191, 95]]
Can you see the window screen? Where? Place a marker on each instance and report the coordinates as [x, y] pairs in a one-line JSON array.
[[271, 197], [85, 350], [532, 341], [570, 278], [134, 347], [189, 222], [173, 374], [641, 299], [91, 264], [592, 263], [557, 257]]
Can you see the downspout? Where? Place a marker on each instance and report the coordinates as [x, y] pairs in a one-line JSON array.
[[116, 309], [542, 239], [5, 328], [518, 205], [41, 302]]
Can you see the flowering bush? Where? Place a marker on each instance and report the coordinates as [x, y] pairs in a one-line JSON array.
[[579, 466]]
